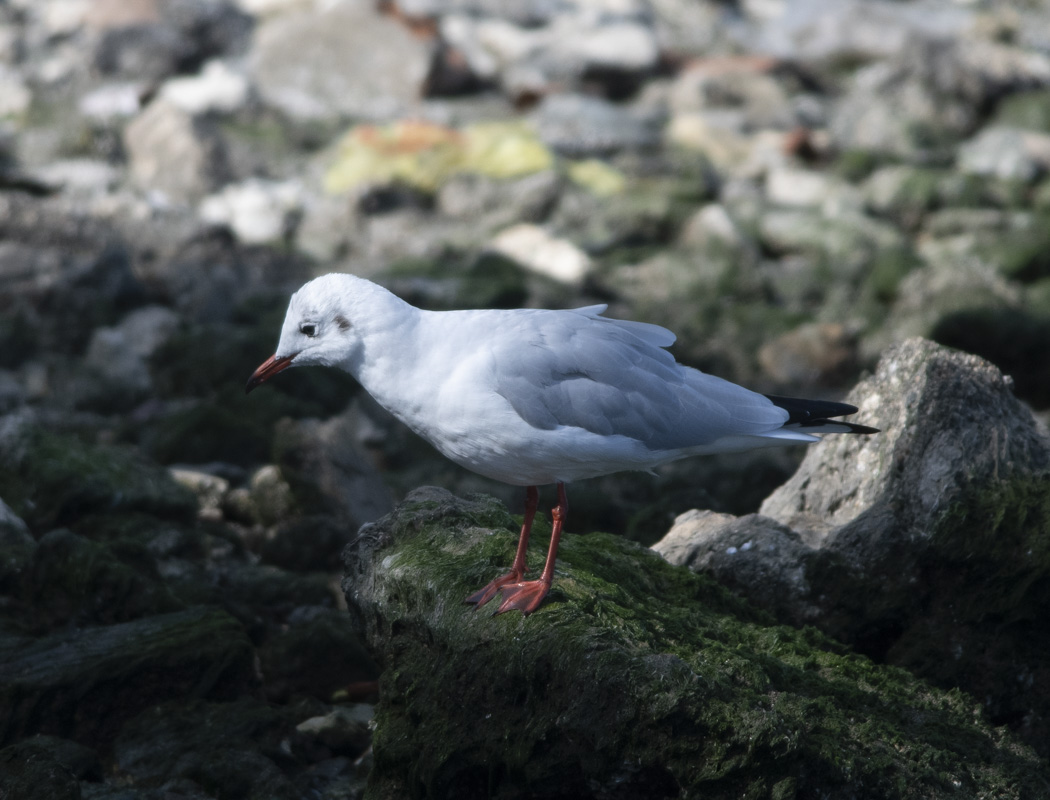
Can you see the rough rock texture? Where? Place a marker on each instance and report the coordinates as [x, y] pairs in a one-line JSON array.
[[635, 679], [924, 546]]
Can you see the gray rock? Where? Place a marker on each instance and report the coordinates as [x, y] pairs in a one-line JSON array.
[[119, 356], [920, 104], [754, 555], [345, 60], [324, 466], [848, 30], [344, 731], [579, 126], [178, 156], [917, 545], [151, 41], [1006, 153]]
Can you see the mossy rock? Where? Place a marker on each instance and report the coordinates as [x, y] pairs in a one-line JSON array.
[[85, 684], [51, 479], [74, 581], [635, 678]]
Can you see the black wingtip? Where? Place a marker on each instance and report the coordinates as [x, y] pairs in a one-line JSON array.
[[817, 413]]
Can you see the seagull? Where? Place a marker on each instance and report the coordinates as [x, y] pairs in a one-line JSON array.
[[533, 397]]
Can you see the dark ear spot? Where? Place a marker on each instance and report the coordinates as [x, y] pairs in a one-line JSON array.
[[342, 322]]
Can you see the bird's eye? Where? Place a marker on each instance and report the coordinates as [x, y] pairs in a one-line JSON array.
[[308, 329]]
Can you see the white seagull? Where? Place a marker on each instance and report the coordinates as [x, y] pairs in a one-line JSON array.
[[532, 397]]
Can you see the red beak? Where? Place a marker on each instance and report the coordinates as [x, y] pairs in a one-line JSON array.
[[268, 369]]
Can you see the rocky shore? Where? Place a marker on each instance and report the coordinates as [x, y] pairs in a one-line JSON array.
[[841, 199]]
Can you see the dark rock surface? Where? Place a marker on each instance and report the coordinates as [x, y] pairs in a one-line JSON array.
[[923, 546], [635, 679]]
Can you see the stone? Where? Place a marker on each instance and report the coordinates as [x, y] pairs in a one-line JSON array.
[[174, 154], [852, 30], [217, 88], [536, 250], [151, 40], [112, 101], [917, 545], [270, 494], [919, 106], [326, 470], [694, 672], [51, 478], [812, 354], [85, 684], [119, 356], [344, 731], [343, 60], [210, 490], [83, 176], [1006, 153], [15, 95], [257, 211], [74, 582], [579, 126]]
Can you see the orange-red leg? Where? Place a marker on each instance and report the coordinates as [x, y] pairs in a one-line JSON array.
[[518, 568], [526, 596]]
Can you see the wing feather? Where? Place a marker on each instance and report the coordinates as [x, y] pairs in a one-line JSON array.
[[577, 369]]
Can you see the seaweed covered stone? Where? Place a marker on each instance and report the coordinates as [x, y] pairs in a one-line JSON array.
[[637, 679]]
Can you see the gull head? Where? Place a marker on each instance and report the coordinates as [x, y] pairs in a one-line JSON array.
[[317, 329]]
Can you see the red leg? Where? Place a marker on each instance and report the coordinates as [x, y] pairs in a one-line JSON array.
[[526, 596], [518, 568]]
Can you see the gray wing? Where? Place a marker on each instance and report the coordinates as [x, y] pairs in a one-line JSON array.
[[613, 377]]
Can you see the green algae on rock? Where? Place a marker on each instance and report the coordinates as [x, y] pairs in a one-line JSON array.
[[635, 679]]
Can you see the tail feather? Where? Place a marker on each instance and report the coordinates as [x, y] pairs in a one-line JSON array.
[[813, 416]]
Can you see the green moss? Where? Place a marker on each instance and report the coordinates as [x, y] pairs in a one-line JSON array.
[[1029, 110], [55, 478], [856, 165], [639, 674], [888, 269], [73, 581]]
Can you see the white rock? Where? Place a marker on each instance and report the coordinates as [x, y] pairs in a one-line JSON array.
[[261, 8], [63, 17], [79, 175], [788, 186], [626, 45], [1009, 153], [257, 211], [112, 101], [712, 222], [216, 88], [15, 96], [538, 251]]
